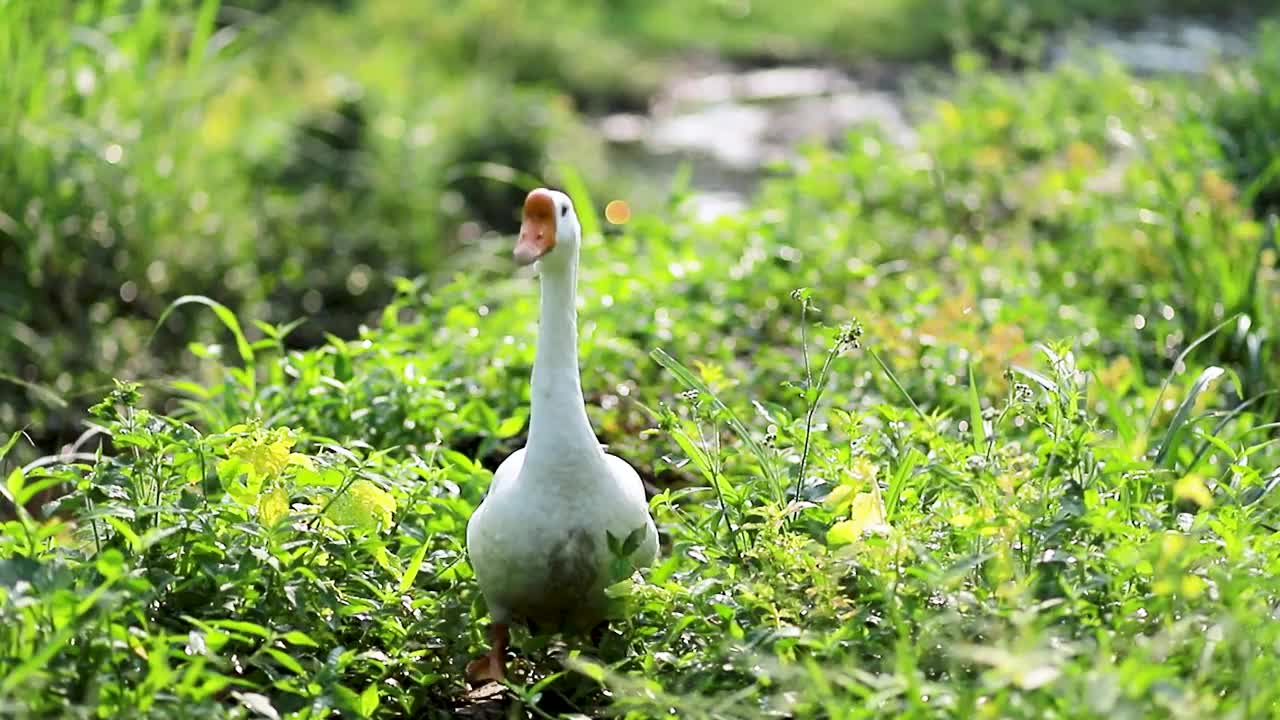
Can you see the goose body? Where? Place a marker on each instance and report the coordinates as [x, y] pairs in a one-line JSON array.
[[539, 542]]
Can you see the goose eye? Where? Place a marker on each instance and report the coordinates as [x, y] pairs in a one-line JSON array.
[[564, 210]]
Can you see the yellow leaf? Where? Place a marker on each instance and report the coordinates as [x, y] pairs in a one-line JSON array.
[[949, 114], [301, 460], [862, 472], [1192, 586], [997, 118], [1081, 155], [266, 452], [1192, 488], [842, 533], [273, 507], [364, 506], [988, 157], [1219, 189], [860, 475], [385, 560], [1172, 544], [711, 374], [866, 514], [839, 498]]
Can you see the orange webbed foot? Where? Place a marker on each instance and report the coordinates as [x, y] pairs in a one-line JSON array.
[[492, 666]]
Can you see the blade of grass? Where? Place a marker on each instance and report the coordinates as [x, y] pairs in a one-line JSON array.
[[40, 391], [690, 380], [1259, 183], [224, 314], [1223, 423], [8, 444], [680, 184], [576, 188], [1044, 382], [975, 414], [1155, 406], [899, 481], [1173, 434], [894, 379], [200, 33], [496, 172], [1254, 494]]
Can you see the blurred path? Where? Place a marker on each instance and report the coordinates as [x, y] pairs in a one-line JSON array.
[[731, 124]]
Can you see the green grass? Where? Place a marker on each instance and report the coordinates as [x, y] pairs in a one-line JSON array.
[[982, 428]]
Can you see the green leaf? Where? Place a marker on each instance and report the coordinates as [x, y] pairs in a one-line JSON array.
[[193, 389], [31, 489], [239, 480], [15, 482], [411, 573], [1179, 363], [1049, 386], [510, 426], [155, 535], [1192, 488], [297, 637], [47, 396], [345, 697], [840, 497], [203, 30], [109, 563], [545, 683], [590, 668], [286, 660], [632, 543], [35, 662], [126, 532], [369, 700], [694, 453], [8, 444], [242, 626], [13, 678]]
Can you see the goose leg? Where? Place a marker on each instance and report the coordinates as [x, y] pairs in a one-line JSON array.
[[493, 665]]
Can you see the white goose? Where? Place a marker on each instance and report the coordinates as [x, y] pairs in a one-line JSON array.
[[539, 543]]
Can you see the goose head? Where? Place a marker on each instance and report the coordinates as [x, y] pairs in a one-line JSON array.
[[549, 229]]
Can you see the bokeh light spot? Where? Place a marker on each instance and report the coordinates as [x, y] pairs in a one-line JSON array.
[[617, 212]]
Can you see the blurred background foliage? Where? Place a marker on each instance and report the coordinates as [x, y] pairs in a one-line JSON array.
[[291, 158]]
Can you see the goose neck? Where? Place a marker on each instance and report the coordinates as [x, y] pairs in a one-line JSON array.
[[558, 417]]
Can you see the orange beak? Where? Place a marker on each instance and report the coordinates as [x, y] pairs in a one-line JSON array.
[[538, 228]]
